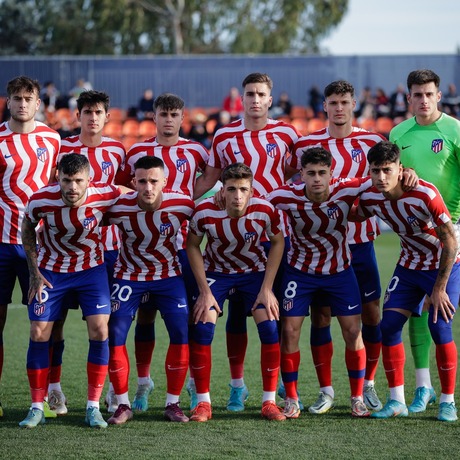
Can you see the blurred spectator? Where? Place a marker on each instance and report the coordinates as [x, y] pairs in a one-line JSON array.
[[283, 107], [382, 104], [49, 96], [198, 131], [365, 105], [398, 104], [233, 103], [451, 101], [223, 119], [316, 101], [145, 107], [74, 93]]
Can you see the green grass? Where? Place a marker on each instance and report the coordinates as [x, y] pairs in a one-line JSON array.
[[244, 435]]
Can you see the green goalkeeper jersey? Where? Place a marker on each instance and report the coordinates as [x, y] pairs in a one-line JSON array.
[[433, 151]]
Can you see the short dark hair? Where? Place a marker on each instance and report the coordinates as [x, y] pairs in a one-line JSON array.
[[316, 155], [23, 83], [382, 153], [237, 171], [73, 163], [422, 77], [90, 98], [168, 101], [257, 77], [339, 87], [149, 162]]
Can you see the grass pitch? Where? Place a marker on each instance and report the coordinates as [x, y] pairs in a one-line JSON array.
[[245, 435]]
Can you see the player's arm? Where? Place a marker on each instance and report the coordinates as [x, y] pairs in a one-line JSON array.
[[289, 171], [205, 300], [29, 242], [124, 178], [265, 295], [439, 297], [206, 181]]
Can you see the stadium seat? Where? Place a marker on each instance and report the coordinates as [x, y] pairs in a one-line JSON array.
[[113, 129], [384, 125], [315, 124], [117, 114], [301, 124], [367, 124], [130, 128], [299, 111], [147, 129]]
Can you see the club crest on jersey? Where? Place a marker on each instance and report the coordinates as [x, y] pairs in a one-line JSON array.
[[114, 305], [271, 150], [42, 154], [250, 236], [166, 229], [412, 220], [288, 304], [39, 309], [107, 168], [182, 165], [333, 212], [357, 155], [437, 145], [89, 223]]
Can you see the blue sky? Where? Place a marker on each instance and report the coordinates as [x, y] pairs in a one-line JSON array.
[[397, 27]]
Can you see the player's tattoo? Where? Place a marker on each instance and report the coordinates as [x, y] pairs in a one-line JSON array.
[[446, 235], [29, 242]]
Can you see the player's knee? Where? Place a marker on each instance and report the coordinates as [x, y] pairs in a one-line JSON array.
[[177, 327], [320, 317], [371, 313], [146, 315], [203, 333], [268, 332], [441, 332], [391, 327]]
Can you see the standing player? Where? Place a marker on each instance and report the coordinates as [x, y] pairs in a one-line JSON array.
[[234, 259], [28, 158], [429, 143], [149, 220], [318, 263], [348, 146], [70, 258], [263, 145], [182, 159], [105, 156], [426, 267]]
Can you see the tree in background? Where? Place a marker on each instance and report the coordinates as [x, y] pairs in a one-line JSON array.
[[73, 27]]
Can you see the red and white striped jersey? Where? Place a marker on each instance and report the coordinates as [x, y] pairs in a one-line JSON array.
[[26, 161], [104, 161], [413, 217], [318, 230], [69, 238], [234, 244], [264, 151], [349, 160], [148, 238], [183, 161]]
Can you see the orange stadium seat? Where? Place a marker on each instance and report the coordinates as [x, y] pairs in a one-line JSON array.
[[299, 111], [113, 129], [367, 124], [117, 114], [147, 129], [384, 125], [130, 128], [315, 124], [301, 124]]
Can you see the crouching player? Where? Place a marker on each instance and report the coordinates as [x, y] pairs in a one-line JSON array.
[[148, 220], [318, 263], [427, 266], [234, 259]]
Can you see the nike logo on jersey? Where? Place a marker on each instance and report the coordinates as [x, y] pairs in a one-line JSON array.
[[367, 294], [404, 147], [129, 230], [100, 306], [179, 305], [237, 153], [8, 156], [353, 307]]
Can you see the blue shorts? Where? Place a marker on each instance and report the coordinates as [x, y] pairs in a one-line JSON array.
[[168, 296], [365, 266], [407, 288], [340, 291], [110, 257], [13, 264], [89, 287], [245, 285]]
